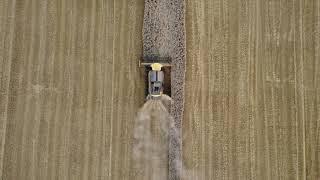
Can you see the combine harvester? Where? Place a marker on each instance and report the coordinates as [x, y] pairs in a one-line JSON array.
[[158, 72]]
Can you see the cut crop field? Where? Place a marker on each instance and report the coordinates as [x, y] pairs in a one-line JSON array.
[[70, 88], [252, 89]]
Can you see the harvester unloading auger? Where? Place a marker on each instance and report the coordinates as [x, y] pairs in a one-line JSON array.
[[158, 76]]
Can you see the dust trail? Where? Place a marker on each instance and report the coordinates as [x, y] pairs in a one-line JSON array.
[[156, 142], [153, 136], [151, 140]]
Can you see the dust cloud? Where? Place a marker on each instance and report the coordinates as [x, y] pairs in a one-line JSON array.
[[156, 140], [151, 135]]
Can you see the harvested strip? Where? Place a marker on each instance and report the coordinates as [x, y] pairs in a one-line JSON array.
[[164, 36]]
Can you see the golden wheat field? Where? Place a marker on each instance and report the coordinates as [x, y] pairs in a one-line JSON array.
[[70, 87]]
